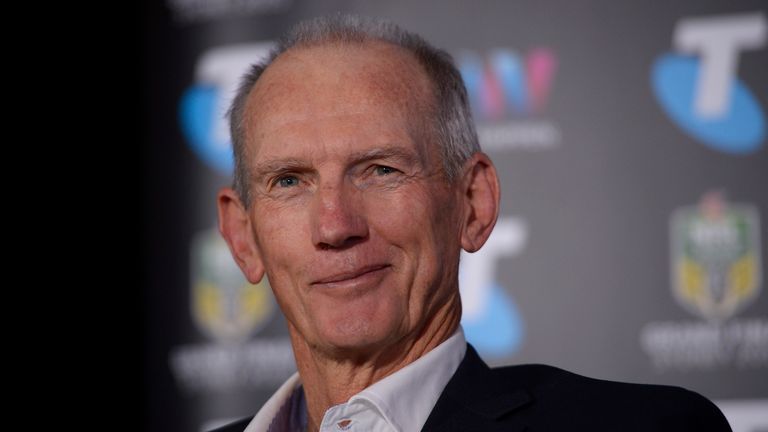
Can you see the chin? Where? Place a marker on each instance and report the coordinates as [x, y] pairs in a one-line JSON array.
[[358, 332]]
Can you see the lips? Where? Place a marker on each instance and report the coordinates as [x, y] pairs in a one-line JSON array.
[[352, 276]]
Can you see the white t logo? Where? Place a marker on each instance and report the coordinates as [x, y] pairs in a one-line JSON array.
[[224, 67], [478, 270], [718, 41]]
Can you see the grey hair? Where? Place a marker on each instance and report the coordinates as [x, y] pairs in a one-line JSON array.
[[454, 127]]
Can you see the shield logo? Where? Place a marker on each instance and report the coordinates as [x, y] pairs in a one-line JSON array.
[[225, 306], [716, 267]]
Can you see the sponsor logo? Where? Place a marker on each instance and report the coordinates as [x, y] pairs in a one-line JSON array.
[[204, 105], [490, 319], [715, 257], [225, 306], [509, 94], [261, 364], [715, 274], [230, 311], [698, 87]]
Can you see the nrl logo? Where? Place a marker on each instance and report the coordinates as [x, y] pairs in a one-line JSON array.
[[715, 257], [225, 306]]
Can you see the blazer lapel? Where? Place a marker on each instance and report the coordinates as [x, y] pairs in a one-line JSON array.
[[474, 399]]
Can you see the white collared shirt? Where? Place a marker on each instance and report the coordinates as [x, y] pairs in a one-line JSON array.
[[401, 402]]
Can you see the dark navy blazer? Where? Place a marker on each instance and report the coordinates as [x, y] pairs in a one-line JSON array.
[[545, 398]]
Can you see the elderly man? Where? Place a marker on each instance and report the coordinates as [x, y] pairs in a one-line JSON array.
[[358, 181]]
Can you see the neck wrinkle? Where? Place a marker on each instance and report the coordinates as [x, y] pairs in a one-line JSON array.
[[329, 381]]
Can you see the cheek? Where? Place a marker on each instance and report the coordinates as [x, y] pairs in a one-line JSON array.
[[281, 236], [278, 241], [419, 213], [402, 217], [419, 224], [277, 228]]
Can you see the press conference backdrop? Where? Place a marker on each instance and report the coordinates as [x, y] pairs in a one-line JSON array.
[[630, 138]]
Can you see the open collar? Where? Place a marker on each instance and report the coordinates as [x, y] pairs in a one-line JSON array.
[[406, 398]]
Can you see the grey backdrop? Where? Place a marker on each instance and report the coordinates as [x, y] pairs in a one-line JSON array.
[[590, 183]]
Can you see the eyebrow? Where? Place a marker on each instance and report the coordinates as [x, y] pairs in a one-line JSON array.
[[296, 164], [388, 152], [278, 165]]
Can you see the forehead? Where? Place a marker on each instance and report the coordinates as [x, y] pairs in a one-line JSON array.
[[374, 82]]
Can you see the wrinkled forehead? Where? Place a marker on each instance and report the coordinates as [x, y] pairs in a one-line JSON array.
[[336, 78]]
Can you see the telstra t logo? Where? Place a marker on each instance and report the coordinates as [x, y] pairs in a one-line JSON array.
[[204, 105], [491, 320], [698, 87]]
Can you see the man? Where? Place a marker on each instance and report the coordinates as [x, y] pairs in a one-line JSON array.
[[358, 181]]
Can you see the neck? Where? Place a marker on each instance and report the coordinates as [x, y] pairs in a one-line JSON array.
[[331, 380]]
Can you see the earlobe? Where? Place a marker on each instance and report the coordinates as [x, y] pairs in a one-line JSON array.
[[235, 227], [481, 196]]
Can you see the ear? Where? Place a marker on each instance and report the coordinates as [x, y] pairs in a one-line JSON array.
[[481, 195], [235, 227]]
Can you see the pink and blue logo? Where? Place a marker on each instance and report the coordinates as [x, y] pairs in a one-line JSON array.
[[502, 84]]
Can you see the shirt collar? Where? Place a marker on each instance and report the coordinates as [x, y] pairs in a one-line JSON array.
[[406, 398], [276, 411]]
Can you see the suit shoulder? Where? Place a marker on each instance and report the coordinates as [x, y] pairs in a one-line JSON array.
[[655, 407], [236, 426]]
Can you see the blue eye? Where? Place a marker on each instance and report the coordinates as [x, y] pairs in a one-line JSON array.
[[384, 170], [287, 181]]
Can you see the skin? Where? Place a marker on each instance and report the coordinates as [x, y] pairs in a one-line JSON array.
[[353, 219]]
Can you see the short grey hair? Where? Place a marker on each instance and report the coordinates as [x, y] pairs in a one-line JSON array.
[[454, 127]]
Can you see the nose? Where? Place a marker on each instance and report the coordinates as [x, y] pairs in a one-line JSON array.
[[338, 221]]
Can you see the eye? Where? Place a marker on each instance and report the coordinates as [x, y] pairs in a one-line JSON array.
[[383, 170], [287, 181]]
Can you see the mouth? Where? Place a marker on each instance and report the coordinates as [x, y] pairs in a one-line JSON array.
[[352, 278]]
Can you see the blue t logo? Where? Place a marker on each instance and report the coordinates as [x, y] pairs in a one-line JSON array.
[[698, 87]]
